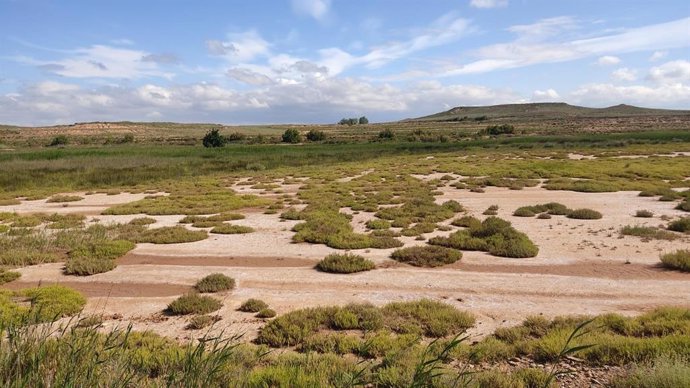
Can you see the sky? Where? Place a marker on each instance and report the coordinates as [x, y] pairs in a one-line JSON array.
[[317, 61]]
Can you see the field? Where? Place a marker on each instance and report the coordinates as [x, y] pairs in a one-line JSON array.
[[439, 256]]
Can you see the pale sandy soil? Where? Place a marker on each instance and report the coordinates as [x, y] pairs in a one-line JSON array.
[[579, 270], [91, 204]]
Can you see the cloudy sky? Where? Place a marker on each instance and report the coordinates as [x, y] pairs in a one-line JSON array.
[[289, 61]]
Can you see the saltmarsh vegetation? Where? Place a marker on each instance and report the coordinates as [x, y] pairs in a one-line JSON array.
[[215, 282], [345, 263], [679, 260], [427, 256], [193, 303]]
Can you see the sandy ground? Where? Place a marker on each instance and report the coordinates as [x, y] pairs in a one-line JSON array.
[[581, 267]]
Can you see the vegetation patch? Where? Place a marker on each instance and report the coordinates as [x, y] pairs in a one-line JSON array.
[[170, 235], [551, 208], [142, 221], [215, 282], [194, 303], [199, 322], [345, 263], [427, 256], [493, 235], [648, 232], [679, 260], [680, 225], [8, 276], [253, 305], [266, 313], [644, 214], [52, 302], [231, 229], [64, 198], [585, 214]]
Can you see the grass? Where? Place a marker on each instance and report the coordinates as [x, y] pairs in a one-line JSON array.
[[215, 282], [193, 303], [345, 263], [55, 301], [493, 235], [664, 372], [644, 214], [266, 313], [253, 305], [427, 256], [96, 257], [585, 214], [8, 276], [64, 198], [199, 322], [648, 232], [171, 235], [231, 229], [679, 260], [142, 221], [680, 225]]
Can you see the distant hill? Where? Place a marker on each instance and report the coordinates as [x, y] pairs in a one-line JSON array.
[[547, 110]]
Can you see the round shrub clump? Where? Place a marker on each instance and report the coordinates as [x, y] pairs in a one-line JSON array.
[[253, 306], [345, 263], [54, 302], [215, 282], [585, 214], [171, 235], [427, 256], [679, 259], [231, 229], [266, 313], [682, 225], [194, 304], [644, 214], [85, 266], [524, 212], [199, 322]]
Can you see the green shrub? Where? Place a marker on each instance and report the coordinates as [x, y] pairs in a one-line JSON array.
[[96, 257], [524, 212], [679, 259], [8, 276], [544, 216], [59, 140], [316, 135], [648, 232], [662, 373], [85, 266], [466, 222], [434, 319], [215, 282], [291, 135], [231, 229], [253, 306], [378, 224], [214, 139], [344, 263], [644, 214], [427, 256], [142, 221], [331, 343], [171, 235], [193, 303], [266, 313], [199, 322], [681, 225], [585, 214], [64, 198], [685, 205], [55, 301]]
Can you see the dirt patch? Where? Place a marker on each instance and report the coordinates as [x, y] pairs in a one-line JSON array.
[[215, 261], [114, 290]]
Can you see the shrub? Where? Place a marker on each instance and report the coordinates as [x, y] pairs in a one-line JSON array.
[[291, 135], [585, 214], [679, 259], [386, 134], [199, 322], [434, 319], [194, 304], [96, 257], [345, 263], [316, 135], [59, 140], [215, 282], [231, 229], [467, 222], [663, 373], [171, 235], [378, 224], [681, 225], [552, 208], [266, 313], [331, 343], [85, 266], [64, 198], [544, 216], [647, 232], [253, 306], [685, 205], [499, 129], [644, 214], [8, 276], [142, 221], [214, 139], [427, 256], [55, 301], [524, 212]]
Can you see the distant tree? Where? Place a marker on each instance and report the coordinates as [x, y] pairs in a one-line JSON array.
[[291, 135], [235, 136], [363, 120], [316, 135], [59, 140], [350, 121], [214, 139], [386, 134], [499, 129]]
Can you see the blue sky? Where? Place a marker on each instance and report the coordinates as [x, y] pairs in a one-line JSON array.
[[317, 61]]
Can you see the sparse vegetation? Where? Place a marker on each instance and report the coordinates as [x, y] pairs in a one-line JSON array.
[[345, 263], [585, 214], [171, 235], [199, 322], [253, 305], [64, 198], [266, 313], [644, 214], [679, 259], [231, 229], [680, 225], [215, 282], [649, 232], [427, 256], [194, 304]]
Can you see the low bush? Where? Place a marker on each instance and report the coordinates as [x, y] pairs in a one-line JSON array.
[[8, 276], [194, 303], [96, 257], [199, 322], [551, 208], [55, 301], [427, 256], [231, 229], [664, 372], [679, 259], [649, 232], [266, 313], [544, 216], [331, 343], [378, 224], [215, 282], [64, 198], [86, 266], [680, 225], [585, 214], [291, 135], [345, 263], [685, 205], [171, 235], [644, 214], [430, 318], [316, 135], [253, 306]]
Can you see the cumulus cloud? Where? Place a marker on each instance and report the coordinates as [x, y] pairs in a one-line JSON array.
[[488, 3], [671, 72], [240, 47], [669, 96], [317, 9], [249, 77], [162, 58], [658, 55], [548, 95], [608, 60], [624, 74]]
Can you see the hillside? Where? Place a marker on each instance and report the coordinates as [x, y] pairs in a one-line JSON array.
[[551, 110]]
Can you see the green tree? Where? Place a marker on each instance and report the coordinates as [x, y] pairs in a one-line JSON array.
[[363, 120], [291, 135], [214, 139]]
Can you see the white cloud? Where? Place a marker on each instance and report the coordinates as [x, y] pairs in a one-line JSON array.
[[667, 96], [544, 28], [671, 72], [658, 55], [249, 77], [608, 60], [624, 74], [488, 3], [240, 47], [548, 95], [318, 9]]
